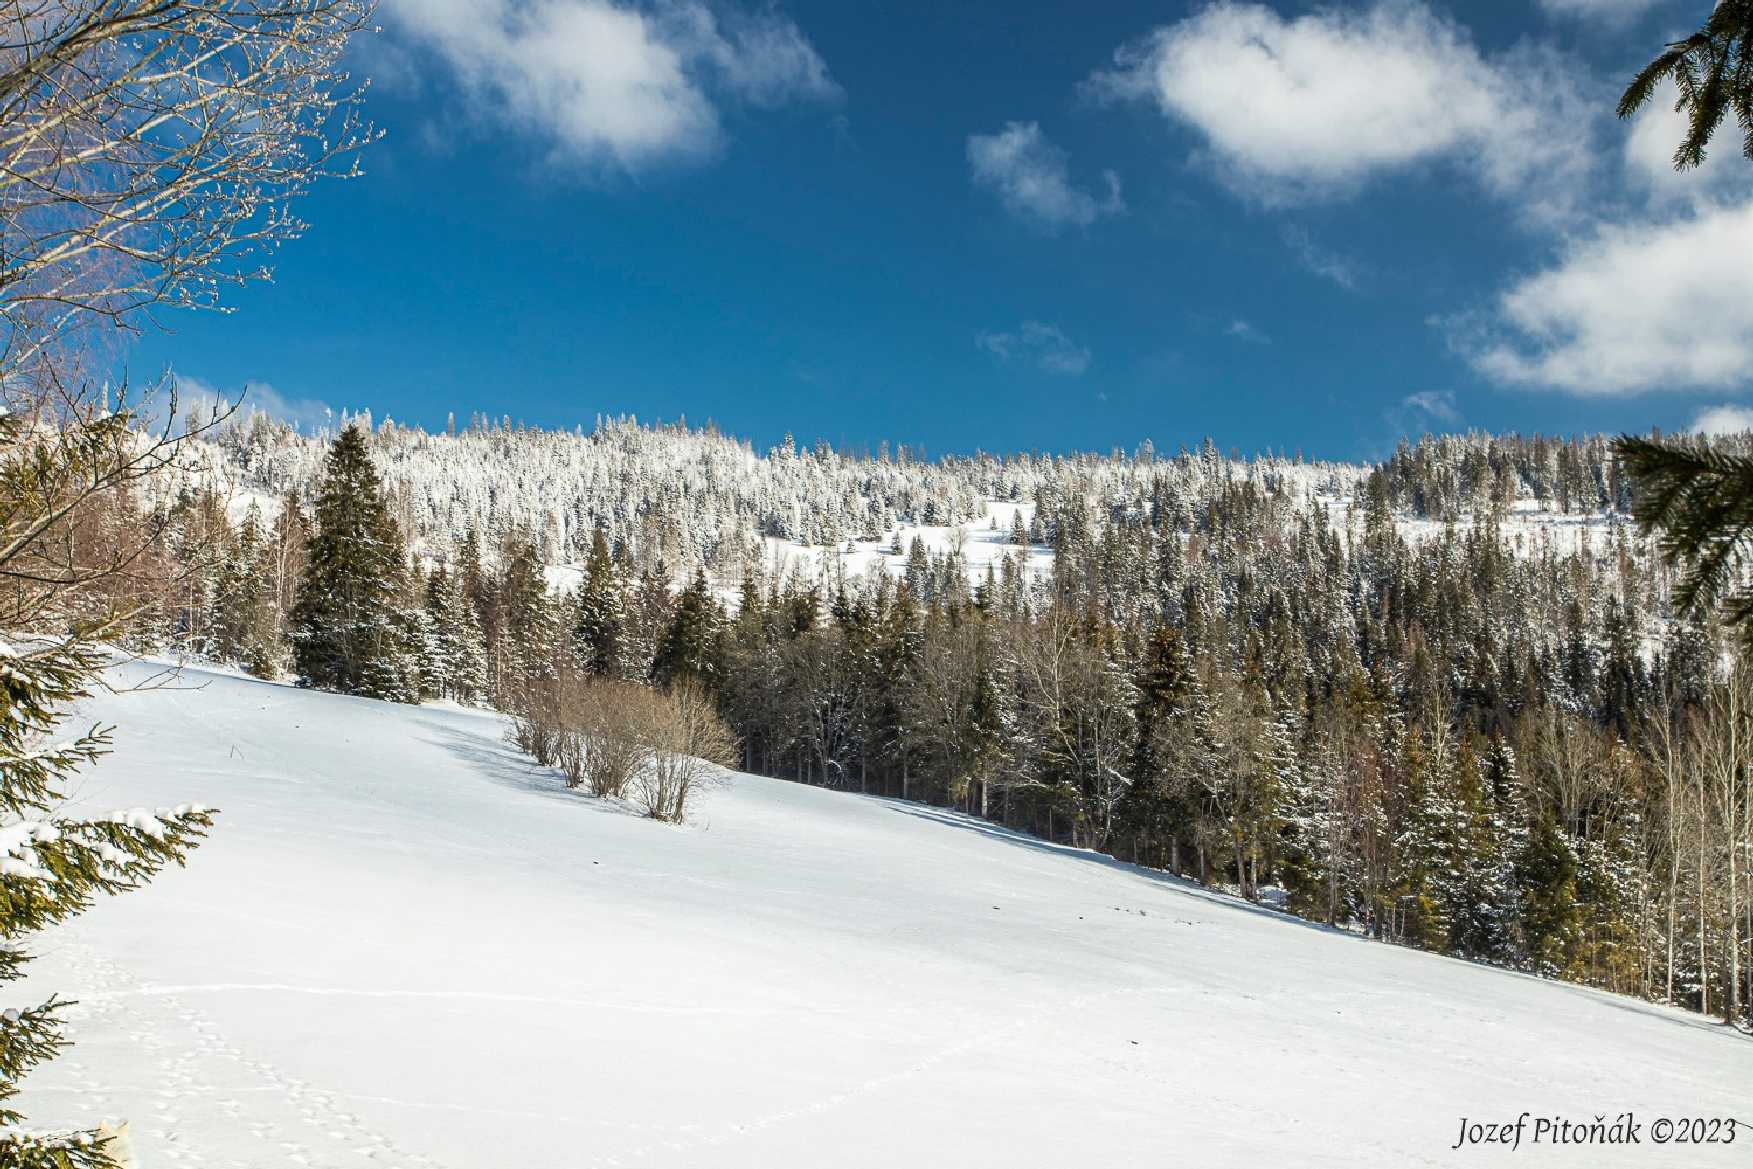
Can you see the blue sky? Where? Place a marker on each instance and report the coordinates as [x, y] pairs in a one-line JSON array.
[[1011, 226]]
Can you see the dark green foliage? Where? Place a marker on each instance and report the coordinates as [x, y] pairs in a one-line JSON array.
[[532, 628], [51, 869], [601, 614], [1219, 677], [1713, 71], [246, 613], [454, 663], [1546, 884], [1698, 501], [346, 635], [689, 650], [1155, 806]]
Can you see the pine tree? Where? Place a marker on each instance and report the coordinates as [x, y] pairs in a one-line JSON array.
[[246, 621], [1428, 848], [689, 649], [346, 633], [201, 539], [1481, 915], [1713, 70], [455, 659], [1700, 501], [918, 568], [531, 620], [52, 868], [1546, 882], [1155, 807], [601, 613]]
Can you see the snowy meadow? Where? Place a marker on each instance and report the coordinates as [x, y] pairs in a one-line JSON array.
[[410, 946]]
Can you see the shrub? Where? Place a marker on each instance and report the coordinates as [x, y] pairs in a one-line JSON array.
[[689, 742], [623, 740]]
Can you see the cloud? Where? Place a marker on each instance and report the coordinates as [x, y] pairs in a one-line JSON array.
[[198, 399], [1045, 346], [1341, 270], [1311, 107], [1031, 178], [1649, 156], [1243, 331], [1437, 404], [1720, 420], [1616, 11], [1421, 412], [1658, 305], [616, 84]]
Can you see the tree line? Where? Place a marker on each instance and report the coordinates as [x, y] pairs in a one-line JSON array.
[[1479, 742]]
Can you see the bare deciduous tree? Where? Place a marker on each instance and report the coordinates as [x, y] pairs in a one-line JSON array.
[[150, 151]]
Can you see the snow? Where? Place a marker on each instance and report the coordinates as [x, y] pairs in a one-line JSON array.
[[404, 945], [983, 547]]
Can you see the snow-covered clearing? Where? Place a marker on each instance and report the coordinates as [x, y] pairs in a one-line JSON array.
[[404, 945], [983, 547]]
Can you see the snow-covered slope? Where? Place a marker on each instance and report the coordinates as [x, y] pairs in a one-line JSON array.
[[406, 946]]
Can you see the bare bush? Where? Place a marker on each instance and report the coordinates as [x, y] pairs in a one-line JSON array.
[[597, 731], [690, 742], [615, 735], [538, 720], [622, 740]]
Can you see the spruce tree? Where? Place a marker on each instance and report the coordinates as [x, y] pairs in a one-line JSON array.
[[1546, 883], [51, 867], [347, 636], [1154, 809], [245, 619], [1713, 70], [454, 661], [689, 649], [530, 621], [601, 613], [1480, 916], [1698, 501], [1427, 849]]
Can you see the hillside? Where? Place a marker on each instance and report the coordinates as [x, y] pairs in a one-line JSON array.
[[406, 946], [685, 498]]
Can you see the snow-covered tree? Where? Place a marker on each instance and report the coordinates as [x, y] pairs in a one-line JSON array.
[[346, 635]]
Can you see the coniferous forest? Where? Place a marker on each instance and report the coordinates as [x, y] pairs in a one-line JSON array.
[[1443, 701]]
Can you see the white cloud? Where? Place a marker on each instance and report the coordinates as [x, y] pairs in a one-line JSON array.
[[1437, 404], [1243, 331], [1312, 106], [1031, 178], [197, 399], [761, 58], [1423, 412], [1617, 11], [616, 84], [1043, 345], [1649, 156], [1720, 420], [1660, 305], [1341, 270]]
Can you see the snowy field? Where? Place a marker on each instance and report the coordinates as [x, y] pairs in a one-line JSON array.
[[405, 946], [983, 546]]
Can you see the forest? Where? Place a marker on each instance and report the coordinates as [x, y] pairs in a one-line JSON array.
[[1443, 701]]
